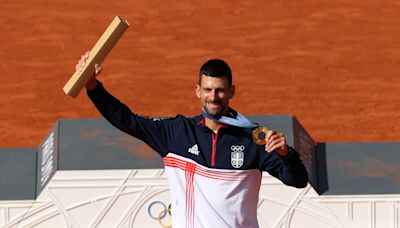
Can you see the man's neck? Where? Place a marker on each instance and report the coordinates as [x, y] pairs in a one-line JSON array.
[[212, 124]]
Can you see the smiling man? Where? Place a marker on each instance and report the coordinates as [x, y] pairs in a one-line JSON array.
[[214, 90], [213, 166]]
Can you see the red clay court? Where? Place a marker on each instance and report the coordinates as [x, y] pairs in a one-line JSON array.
[[334, 65]]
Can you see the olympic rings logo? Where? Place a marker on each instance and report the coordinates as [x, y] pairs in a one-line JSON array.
[[237, 148], [161, 215]]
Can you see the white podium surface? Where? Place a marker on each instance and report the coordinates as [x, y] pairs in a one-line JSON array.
[[124, 198]]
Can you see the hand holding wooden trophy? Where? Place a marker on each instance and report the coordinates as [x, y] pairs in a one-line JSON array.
[[98, 53]]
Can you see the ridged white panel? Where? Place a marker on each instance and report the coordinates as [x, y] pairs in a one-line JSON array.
[[84, 214], [384, 214], [122, 198], [50, 221], [362, 214]]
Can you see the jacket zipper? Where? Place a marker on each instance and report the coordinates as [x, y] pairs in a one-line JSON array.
[[214, 147]]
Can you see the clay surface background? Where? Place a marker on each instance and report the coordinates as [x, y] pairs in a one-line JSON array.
[[332, 64]]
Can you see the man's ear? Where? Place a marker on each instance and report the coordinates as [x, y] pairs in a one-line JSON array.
[[198, 91], [232, 91]]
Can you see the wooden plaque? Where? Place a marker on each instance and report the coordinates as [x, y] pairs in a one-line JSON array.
[[98, 53]]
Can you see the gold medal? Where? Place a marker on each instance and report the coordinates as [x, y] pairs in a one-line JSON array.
[[259, 135]]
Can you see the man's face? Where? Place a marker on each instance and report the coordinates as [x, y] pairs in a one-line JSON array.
[[214, 94]]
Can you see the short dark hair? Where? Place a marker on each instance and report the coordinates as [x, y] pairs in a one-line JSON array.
[[216, 68]]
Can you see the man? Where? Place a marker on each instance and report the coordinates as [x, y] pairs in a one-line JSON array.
[[213, 166]]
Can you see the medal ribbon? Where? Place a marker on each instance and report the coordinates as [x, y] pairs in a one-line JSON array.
[[239, 121]]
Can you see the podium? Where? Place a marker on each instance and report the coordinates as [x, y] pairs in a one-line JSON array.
[[86, 173]]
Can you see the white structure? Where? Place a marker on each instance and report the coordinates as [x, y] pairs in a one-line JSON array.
[[130, 198]]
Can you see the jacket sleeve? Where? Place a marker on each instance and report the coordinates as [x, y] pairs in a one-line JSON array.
[[156, 132], [290, 170]]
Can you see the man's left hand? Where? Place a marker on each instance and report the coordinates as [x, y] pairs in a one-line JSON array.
[[276, 141]]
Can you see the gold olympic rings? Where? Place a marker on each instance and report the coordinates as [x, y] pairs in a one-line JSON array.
[[164, 212], [159, 219]]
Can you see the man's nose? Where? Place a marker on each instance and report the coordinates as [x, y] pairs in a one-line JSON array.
[[213, 95]]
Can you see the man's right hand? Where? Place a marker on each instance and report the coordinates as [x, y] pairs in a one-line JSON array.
[[91, 84]]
